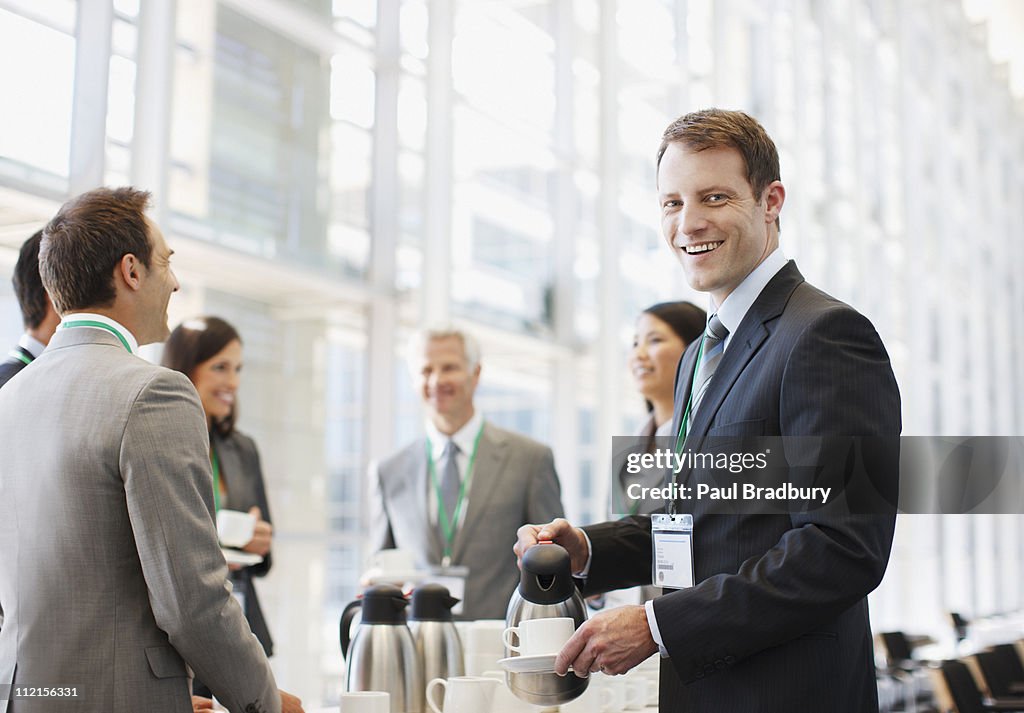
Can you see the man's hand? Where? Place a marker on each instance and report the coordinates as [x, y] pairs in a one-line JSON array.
[[561, 533], [613, 642], [289, 703], [202, 705], [262, 534]]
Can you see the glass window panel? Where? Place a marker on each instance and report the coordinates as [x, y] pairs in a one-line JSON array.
[[362, 12], [502, 61], [121, 101], [35, 126], [352, 89], [414, 24]]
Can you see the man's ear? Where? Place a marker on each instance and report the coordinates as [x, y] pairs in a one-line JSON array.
[[774, 197], [130, 271]]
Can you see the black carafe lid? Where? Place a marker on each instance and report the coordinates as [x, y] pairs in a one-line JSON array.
[[432, 602], [383, 604], [546, 576]]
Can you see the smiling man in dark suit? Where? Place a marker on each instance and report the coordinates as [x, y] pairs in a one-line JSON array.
[[776, 619]]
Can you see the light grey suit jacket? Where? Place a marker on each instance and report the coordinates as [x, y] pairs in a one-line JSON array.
[[111, 578], [513, 483]]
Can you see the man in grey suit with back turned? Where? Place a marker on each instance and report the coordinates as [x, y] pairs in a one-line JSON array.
[[454, 497], [776, 619], [111, 578]]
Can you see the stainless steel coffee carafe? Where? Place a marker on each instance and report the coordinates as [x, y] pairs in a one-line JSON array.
[[437, 642], [546, 589], [382, 654]]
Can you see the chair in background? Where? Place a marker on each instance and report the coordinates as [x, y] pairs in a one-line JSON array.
[[957, 692], [1003, 671], [959, 626], [899, 653]]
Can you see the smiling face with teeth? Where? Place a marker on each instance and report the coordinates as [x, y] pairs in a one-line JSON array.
[[216, 380], [711, 219]]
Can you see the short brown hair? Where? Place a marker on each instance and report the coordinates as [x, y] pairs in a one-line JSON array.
[[86, 240], [194, 341], [718, 128]]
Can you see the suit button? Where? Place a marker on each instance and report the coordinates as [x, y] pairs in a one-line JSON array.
[[730, 660], [720, 664], [709, 668]]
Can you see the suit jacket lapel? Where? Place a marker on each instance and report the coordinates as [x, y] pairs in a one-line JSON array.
[[491, 457], [749, 337], [230, 470]]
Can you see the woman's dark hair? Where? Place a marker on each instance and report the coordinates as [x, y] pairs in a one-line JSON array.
[[194, 341], [686, 319]]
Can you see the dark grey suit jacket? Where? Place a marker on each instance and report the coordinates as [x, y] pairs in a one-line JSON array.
[[514, 483], [12, 365], [243, 478], [778, 619]]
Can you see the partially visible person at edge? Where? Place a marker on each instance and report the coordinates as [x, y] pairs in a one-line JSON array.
[[208, 351], [37, 312]]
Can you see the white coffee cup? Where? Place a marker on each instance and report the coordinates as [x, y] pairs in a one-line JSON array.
[[463, 694], [539, 637], [482, 645], [393, 561], [235, 528], [365, 702]]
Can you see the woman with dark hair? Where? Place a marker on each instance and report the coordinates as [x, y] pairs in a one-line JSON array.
[[208, 351], [663, 332]]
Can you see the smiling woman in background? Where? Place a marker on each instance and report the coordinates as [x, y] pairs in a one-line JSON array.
[[663, 332], [209, 351]]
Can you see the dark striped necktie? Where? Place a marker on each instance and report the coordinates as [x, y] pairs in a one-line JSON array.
[[711, 354]]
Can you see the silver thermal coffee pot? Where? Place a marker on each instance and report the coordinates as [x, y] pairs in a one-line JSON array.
[[437, 642], [546, 589], [382, 654]]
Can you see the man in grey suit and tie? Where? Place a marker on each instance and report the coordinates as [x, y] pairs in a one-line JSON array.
[[775, 618], [452, 498], [111, 579]]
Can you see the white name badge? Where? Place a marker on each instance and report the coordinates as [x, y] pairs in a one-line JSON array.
[[673, 551]]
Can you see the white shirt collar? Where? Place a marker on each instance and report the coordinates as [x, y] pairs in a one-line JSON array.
[[463, 438], [117, 327], [32, 345], [738, 303]]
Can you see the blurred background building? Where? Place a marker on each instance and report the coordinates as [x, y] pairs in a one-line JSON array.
[[333, 174]]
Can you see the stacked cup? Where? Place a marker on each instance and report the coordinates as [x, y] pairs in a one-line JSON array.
[[482, 645], [463, 694]]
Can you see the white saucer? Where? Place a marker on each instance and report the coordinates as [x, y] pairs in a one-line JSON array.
[[246, 559], [541, 663]]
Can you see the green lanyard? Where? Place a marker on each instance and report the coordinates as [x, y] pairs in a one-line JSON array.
[[681, 436], [449, 526], [20, 356], [215, 462], [99, 325]]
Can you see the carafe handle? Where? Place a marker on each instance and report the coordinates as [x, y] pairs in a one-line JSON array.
[[346, 625]]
